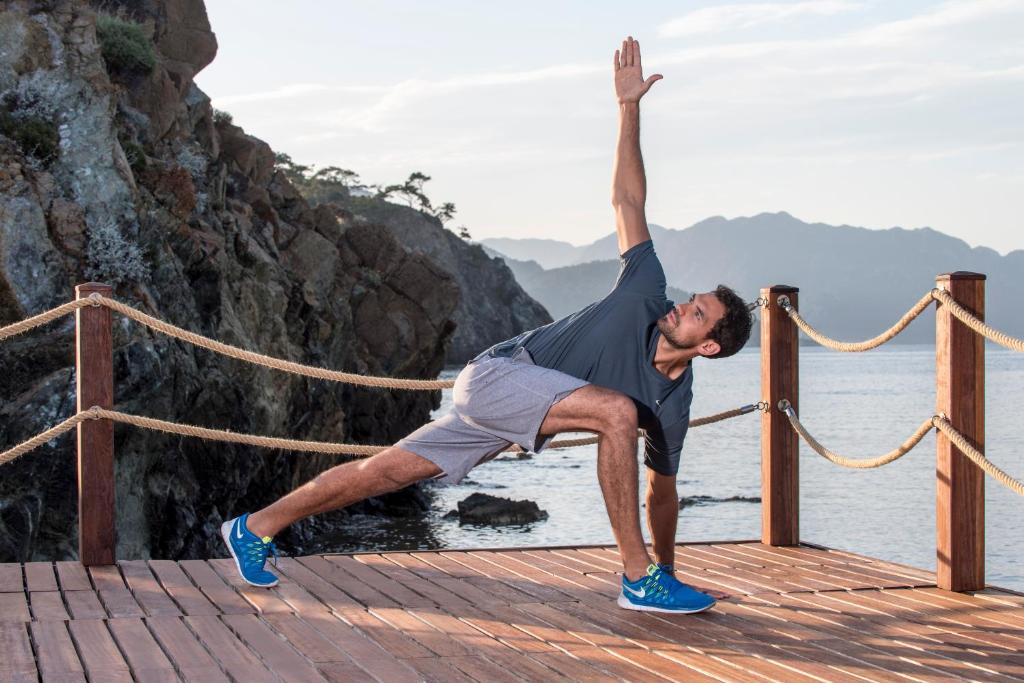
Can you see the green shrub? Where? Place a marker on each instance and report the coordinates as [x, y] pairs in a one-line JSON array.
[[222, 118], [125, 47], [135, 155], [36, 137]]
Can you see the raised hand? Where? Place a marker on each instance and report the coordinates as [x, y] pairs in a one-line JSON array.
[[630, 85]]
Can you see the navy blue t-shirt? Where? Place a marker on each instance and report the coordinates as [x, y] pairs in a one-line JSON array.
[[612, 342]]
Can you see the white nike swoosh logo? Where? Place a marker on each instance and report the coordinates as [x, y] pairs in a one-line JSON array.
[[238, 531], [641, 593]]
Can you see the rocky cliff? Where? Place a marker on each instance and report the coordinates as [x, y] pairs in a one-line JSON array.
[[113, 167], [493, 307]]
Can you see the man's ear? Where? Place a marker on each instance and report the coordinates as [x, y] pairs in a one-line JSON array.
[[709, 348]]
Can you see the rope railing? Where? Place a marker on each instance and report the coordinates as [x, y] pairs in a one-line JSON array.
[[854, 347], [220, 347], [324, 447], [855, 463], [937, 421], [964, 316], [979, 459]]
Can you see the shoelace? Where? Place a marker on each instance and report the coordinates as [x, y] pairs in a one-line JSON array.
[[257, 551]]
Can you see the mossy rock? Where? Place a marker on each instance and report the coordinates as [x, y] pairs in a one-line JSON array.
[[35, 136], [126, 49]]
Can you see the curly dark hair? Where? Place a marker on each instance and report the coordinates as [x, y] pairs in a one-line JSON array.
[[733, 329]]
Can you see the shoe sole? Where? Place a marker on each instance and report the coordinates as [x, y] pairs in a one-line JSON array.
[[225, 533], [624, 603]]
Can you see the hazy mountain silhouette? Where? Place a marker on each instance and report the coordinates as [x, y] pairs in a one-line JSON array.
[[853, 282]]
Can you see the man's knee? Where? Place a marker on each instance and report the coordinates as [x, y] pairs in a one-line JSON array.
[[619, 413], [396, 468]]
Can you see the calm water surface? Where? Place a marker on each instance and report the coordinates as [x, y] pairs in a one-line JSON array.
[[856, 404]]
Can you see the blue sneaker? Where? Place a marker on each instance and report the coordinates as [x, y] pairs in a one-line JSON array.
[[250, 552], [660, 592]]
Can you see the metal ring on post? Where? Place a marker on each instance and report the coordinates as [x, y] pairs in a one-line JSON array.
[[786, 407], [784, 303], [95, 299]]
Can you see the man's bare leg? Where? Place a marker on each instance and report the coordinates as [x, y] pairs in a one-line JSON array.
[[612, 416], [387, 471]]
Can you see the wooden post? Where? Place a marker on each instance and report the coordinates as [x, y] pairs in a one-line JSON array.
[[780, 483], [94, 364], [960, 396]]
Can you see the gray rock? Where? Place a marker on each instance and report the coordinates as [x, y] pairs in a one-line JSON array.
[[493, 306], [482, 508], [231, 251]]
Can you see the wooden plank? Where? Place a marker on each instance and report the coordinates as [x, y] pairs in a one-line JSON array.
[[384, 665], [362, 593], [529, 669], [11, 580], [47, 606], [213, 587], [106, 577], [18, 662], [780, 362], [187, 654], [39, 576], [279, 656], [343, 672], [144, 656], [240, 663], [481, 669], [435, 594], [530, 590], [94, 378], [263, 599], [97, 650], [429, 637], [437, 670], [330, 595], [306, 639], [392, 639], [380, 582], [14, 608], [55, 653], [496, 590], [462, 589], [72, 576], [929, 665], [573, 667], [562, 588], [960, 396], [178, 586], [147, 590]]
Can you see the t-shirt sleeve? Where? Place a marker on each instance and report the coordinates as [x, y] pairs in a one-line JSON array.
[[640, 271], [663, 446]]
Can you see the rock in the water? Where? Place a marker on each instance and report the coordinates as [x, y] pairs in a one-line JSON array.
[[481, 508]]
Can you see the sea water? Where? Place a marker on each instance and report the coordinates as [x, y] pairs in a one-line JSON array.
[[860, 405]]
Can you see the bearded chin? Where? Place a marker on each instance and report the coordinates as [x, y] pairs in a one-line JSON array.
[[666, 332]]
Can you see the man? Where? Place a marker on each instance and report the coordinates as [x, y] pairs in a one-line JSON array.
[[621, 363]]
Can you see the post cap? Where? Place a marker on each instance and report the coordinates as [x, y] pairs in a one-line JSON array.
[[959, 275]]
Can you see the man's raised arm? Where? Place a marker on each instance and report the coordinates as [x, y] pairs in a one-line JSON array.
[[629, 184]]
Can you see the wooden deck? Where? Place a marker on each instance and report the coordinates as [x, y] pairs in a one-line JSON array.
[[793, 614]]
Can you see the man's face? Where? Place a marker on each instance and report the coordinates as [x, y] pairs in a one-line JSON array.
[[688, 324]]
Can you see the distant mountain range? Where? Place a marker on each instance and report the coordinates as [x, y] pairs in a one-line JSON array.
[[853, 282]]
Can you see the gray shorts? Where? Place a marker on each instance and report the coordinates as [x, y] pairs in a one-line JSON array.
[[497, 402]]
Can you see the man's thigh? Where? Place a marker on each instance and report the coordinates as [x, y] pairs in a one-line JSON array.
[[589, 409]]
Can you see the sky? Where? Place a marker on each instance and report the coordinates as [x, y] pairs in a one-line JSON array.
[[859, 112]]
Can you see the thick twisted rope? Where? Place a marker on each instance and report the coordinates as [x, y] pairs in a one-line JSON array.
[[965, 316], [325, 447], [41, 319], [266, 361], [855, 463], [979, 459], [865, 345]]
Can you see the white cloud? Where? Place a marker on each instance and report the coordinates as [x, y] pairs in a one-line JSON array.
[[292, 91], [745, 15]]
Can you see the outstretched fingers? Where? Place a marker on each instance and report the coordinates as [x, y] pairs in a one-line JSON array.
[[636, 52], [617, 65]]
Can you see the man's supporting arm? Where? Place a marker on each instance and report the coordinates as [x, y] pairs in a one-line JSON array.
[[662, 514], [629, 184]]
